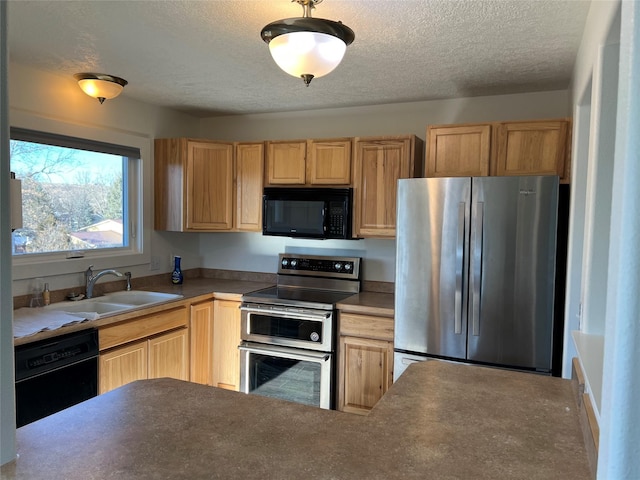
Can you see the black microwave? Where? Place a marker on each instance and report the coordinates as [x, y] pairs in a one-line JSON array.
[[321, 213]]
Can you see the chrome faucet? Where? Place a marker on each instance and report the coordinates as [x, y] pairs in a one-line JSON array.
[[91, 279]]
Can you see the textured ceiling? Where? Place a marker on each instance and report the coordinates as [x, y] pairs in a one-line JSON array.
[[206, 57]]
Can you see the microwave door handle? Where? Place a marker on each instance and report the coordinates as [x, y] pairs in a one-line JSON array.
[[324, 219]]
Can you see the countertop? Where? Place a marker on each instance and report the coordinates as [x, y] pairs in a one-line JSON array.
[[200, 289], [438, 421], [195, 289], [370, 303]]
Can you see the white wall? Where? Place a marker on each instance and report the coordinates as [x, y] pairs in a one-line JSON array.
[[391, 119], [7, 403]]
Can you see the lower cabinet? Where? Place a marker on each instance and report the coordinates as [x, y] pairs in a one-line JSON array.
[[201, 342], [365, 361], [150, 346], [215, 336], [226, 338], [165, 355]]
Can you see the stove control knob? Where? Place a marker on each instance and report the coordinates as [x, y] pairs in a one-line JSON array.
[[347, 266], [285, 262], [338, 266], [314, 336], [294, 263]]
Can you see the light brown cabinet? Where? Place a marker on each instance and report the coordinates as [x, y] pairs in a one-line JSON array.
[[215, 336], [201, 342], [458, 151], [378, 165], [249, 183], [537, 147], [150, 346], [365, 361], [308, 162], [196, 185], [532, 148], [226, 338]]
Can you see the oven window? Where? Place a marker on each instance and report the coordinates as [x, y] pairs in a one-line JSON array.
[[291, 328], [288, 379], [303, 217]]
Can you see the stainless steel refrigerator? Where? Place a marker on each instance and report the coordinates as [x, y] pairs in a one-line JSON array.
[[475, 270]]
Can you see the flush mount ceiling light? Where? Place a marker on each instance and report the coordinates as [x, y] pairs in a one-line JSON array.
[[100, 86], [307, 47]]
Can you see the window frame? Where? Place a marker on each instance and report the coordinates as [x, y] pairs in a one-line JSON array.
[[139, 188]]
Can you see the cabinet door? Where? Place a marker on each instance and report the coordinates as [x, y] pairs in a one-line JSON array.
[[209, 186], [329, 162], [249, 179], [378, 166], [531, 148], [458, 151], [123, 365], [169, 355], [366, 373], [201, 336], [286, 163], [226, 338]]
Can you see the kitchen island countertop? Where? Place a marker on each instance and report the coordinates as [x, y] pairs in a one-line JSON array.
[[438, 421]]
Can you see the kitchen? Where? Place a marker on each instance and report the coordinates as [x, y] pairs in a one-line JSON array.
[[251, 252]]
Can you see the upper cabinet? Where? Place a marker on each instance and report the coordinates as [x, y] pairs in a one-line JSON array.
[[532, 148], [195, 185], [249, 182], [538, 147], [308, 162], [378, 164], [458, 151]]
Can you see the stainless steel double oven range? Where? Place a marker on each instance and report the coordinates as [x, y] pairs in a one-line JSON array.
[[289, 330]]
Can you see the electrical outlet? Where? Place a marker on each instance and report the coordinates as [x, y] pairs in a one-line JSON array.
[[155, 263]]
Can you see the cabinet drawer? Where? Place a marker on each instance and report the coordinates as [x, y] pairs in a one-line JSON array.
[[366, 326], [142, 327]]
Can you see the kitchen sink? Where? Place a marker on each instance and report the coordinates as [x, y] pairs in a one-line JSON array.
[[89, 306], [137, 297], [115, 302]]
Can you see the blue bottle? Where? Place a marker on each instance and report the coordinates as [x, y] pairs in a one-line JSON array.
[[176, 275]]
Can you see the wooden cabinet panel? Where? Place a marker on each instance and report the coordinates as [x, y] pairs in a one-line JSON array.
[[537, 147], [193, 185], [249, 183], [123, 365], [531, 148], [458, 151], [329, 162], [286, 163], [169, 355], [378, 164], [366, 326], [367, 373], [201, 343], [209, 186], [226, 338], [142, 327]]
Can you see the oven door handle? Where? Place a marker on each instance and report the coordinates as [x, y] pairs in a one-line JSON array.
[[289, 352], [288, 314]]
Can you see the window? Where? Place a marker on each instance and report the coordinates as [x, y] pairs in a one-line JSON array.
[[78, 195]]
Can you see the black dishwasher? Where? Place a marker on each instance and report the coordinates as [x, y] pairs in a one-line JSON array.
[[55, 373]]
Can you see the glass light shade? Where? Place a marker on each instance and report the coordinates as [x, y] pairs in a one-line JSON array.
[[100, 88], [307, 53]]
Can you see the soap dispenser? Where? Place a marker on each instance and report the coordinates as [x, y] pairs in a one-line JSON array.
[[176, 275]]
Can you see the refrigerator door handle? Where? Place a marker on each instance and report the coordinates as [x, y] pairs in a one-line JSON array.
[[462, 208], [476, 276]]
